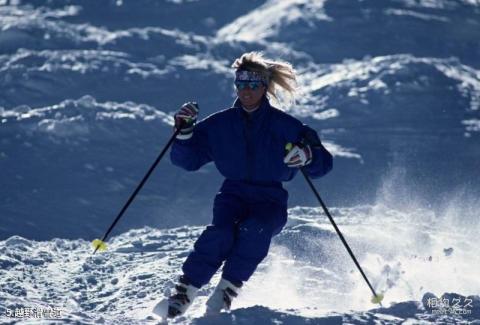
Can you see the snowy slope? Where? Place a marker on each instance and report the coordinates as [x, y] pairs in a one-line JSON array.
[[375, 111], [87, 93], [307, 275]]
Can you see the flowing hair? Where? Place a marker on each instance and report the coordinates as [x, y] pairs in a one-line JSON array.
[[279, 75]]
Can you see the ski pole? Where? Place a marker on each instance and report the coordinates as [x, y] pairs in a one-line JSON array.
[[99, 244], [377, 298]]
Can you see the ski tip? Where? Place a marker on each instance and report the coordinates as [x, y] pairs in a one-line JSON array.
[[161, 309], [377, 299], [99, 245]]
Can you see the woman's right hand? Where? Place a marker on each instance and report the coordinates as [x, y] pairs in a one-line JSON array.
[[185, 120]]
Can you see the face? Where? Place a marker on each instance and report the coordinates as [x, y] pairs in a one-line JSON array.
[[250, 93]]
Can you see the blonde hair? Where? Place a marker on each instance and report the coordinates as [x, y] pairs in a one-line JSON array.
[[279, 74]]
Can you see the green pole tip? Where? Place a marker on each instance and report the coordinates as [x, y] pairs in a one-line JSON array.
[[99, 245], [377, 299]]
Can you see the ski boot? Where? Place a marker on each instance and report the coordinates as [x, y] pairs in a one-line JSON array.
[[222, 297], [178, 303]]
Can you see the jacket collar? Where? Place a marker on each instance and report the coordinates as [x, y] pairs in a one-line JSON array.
[[259, 112]]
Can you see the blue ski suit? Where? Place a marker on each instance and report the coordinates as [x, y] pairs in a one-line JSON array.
[[251, 207]]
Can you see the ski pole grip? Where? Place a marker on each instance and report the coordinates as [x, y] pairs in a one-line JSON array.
[[288, 146]]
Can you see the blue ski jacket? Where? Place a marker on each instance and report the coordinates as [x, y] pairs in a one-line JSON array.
[[248, 148]]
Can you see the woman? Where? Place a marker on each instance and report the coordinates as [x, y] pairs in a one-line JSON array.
[[247, 144]]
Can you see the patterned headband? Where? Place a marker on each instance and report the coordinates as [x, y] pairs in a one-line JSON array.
[[244, 75]]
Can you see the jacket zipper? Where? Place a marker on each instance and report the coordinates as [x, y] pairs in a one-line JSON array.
[[249, 156]]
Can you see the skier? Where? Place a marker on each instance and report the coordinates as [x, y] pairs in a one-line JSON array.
[[247, 144]]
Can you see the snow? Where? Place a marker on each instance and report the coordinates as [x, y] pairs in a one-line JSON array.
[[88, 91], [307, 274], [371, 78], [415, 14], [266, 20]]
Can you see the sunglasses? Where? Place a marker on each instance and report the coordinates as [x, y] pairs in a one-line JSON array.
[[253, 85]]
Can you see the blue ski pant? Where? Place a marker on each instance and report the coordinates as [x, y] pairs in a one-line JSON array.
[[239, 237]]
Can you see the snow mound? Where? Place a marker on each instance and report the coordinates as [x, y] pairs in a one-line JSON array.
[[307, 268]]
